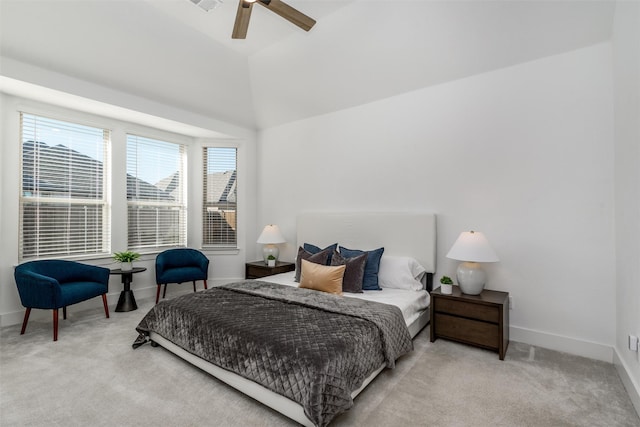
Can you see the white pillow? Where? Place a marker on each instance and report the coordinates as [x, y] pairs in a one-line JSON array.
[[400, 272]]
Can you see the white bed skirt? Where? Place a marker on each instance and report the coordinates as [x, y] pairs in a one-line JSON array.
[[282, 404]]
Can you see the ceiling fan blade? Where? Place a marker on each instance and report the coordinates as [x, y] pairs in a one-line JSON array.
[[242, 20], [289, 13]]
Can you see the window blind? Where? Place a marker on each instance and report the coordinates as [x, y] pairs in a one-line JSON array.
[[156, 205], [63, 199], [220, 197]]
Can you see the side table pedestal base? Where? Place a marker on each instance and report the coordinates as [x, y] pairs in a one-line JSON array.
[[126, 302]]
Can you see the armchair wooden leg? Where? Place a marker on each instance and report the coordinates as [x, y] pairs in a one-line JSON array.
[[158, 293], [26, 319], [164, 293], [106, 307], [55, 324], [194, 286], [64, 312], [205, 284]]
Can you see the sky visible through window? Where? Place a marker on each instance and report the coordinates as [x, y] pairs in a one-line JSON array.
[[53, 132], [152, 169], [152, 160], [225, 160]]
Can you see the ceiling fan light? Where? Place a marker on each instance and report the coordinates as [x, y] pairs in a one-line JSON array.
[[207, 5]]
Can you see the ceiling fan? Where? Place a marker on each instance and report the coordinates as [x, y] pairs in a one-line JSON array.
[[278, 7]]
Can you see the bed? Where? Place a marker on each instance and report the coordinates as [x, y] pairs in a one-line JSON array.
[[244, 351]]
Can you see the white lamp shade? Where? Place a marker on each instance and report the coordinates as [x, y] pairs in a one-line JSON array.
[[472, 246], [271, 235]]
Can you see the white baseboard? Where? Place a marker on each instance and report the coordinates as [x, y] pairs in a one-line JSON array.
[[592, 350], [632, 387], [16, 317], [589, 349]]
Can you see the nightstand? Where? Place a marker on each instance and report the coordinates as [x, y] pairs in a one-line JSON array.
[[258, 269], [479, 320]]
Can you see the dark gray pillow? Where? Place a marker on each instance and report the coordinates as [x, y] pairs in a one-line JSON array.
[[315, 249], [318, 258], [353, 273], [370, 281]]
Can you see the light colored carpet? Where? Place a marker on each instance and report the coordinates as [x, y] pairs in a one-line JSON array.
[[92, 377]]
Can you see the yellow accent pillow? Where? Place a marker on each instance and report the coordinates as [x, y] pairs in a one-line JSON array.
[[322, 277]]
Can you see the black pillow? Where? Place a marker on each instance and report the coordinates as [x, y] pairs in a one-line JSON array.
[[318, 258], [353, 273]]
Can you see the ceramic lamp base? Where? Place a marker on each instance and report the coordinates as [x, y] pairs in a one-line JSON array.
[[270, 250], [471, 278]]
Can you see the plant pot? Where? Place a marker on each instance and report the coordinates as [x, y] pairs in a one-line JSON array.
[[446, 289], [271, 262], [126, 266]]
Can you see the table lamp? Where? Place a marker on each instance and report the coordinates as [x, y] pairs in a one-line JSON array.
[[472, 247], [270, 237]]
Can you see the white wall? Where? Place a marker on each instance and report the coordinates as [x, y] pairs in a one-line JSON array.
[[224, 266], [626, 66], [2, 155], [523, 154]]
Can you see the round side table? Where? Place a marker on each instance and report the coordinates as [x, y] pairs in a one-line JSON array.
[[127, 302]]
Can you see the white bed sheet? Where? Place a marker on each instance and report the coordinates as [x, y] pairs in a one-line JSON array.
[[411, 303]]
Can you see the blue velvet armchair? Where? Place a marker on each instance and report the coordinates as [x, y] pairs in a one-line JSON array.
[[178, 266], [55, 284]]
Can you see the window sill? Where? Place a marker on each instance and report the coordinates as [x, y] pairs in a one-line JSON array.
[[220, 251]]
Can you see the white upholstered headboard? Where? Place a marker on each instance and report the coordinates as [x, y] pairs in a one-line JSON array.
[[401, 234]]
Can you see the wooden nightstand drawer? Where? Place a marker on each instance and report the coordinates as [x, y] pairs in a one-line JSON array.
[[258, 269], [480, 320], [468, 331], [255, 272], [470, 310]]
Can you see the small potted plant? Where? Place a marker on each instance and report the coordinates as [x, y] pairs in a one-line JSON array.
[[446, 285], [271, 261], [126, 259]]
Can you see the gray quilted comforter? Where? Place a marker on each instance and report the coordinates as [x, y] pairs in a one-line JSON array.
[[312, 347]]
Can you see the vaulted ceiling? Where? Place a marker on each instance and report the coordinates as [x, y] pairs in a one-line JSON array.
[[174, 53]]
